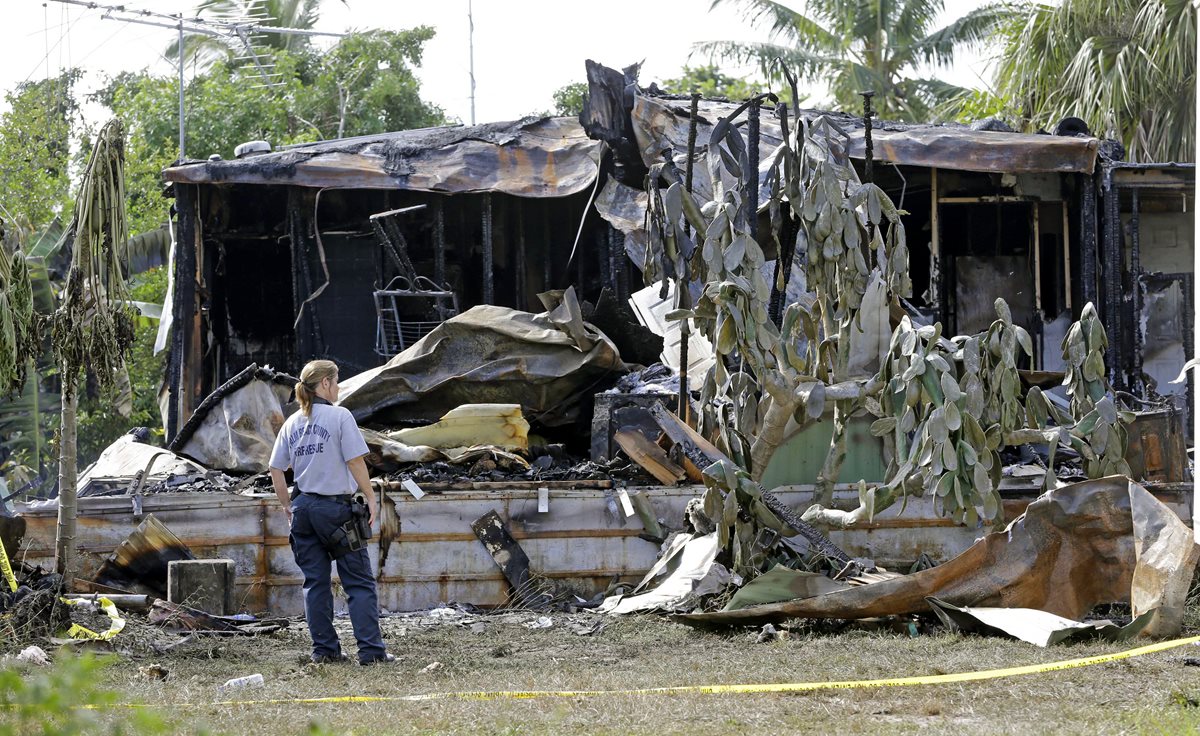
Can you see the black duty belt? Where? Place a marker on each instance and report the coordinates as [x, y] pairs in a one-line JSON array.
[[339, 498]]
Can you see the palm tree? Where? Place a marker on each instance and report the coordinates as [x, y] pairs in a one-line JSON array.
[[1126, 67], [856, 45], [205, 50]]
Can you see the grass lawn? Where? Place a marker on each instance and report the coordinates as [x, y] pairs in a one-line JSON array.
[[1156, 693]]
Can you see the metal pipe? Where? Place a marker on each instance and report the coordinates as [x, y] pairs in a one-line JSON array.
[[488, 286], [471, 52], [685, 326], [783, 259], [181, 118]]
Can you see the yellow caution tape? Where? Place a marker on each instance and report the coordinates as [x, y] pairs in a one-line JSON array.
[[6, 568], [785, 687], [82, 632]]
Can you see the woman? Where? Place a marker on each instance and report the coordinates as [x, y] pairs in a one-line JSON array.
[[322, 445]]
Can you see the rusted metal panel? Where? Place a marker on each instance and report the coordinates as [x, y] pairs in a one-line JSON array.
[[584, 539], [662, 124], [964, 149], [1157, 446], [546, 157]]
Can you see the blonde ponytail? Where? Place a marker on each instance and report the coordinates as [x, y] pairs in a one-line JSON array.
[[310, 378]]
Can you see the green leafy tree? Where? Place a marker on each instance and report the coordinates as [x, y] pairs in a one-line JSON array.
[[364, 84], [711, 82], [855, 46], [35, 153], [221, 113], [568, 99], [1127, 67]]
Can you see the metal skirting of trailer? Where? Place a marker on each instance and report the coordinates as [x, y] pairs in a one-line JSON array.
[[584, 538]]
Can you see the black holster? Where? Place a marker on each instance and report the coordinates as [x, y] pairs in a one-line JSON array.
[[354, 534]]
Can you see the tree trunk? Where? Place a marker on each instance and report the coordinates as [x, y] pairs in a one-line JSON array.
[[66, 559], [832, 468], [770, 436]]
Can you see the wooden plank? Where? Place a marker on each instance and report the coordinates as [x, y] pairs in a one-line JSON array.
[[694, 447], [649, 456]]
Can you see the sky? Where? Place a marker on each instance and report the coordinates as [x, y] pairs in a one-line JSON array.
[[524, 49]]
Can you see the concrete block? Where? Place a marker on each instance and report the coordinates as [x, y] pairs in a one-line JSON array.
[[207, 585]]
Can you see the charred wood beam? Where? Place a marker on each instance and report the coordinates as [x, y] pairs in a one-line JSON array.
[[547, 251], [295, 224], [1087, 240], [183, 305], [1113, 294], [519, 268], [439, 241], [1137, 385], [616, 249], [316, 335], [489, 293], [1187, 283]]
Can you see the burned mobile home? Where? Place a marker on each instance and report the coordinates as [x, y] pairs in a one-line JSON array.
[[319, 250], [471, 254], [1048, 221]]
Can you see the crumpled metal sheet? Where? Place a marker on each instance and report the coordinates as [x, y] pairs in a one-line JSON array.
[[492, 355], [1036, 627], [531, 157], [237, 433], [1098, 541], [126, 457], [686, 563], [625, 209]]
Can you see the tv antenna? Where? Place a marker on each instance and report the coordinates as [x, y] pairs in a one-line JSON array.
[[242, 31]]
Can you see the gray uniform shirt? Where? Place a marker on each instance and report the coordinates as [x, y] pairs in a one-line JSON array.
[[316, 448]]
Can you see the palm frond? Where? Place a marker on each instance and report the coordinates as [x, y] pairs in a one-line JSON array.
[[783, 23], [915, 17], [804, 64], [969, 31], [1127, 67]]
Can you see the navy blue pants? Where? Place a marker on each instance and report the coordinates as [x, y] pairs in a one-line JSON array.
[[313, 520]]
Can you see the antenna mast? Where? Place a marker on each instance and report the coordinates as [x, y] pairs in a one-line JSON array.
[[471, 44]]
